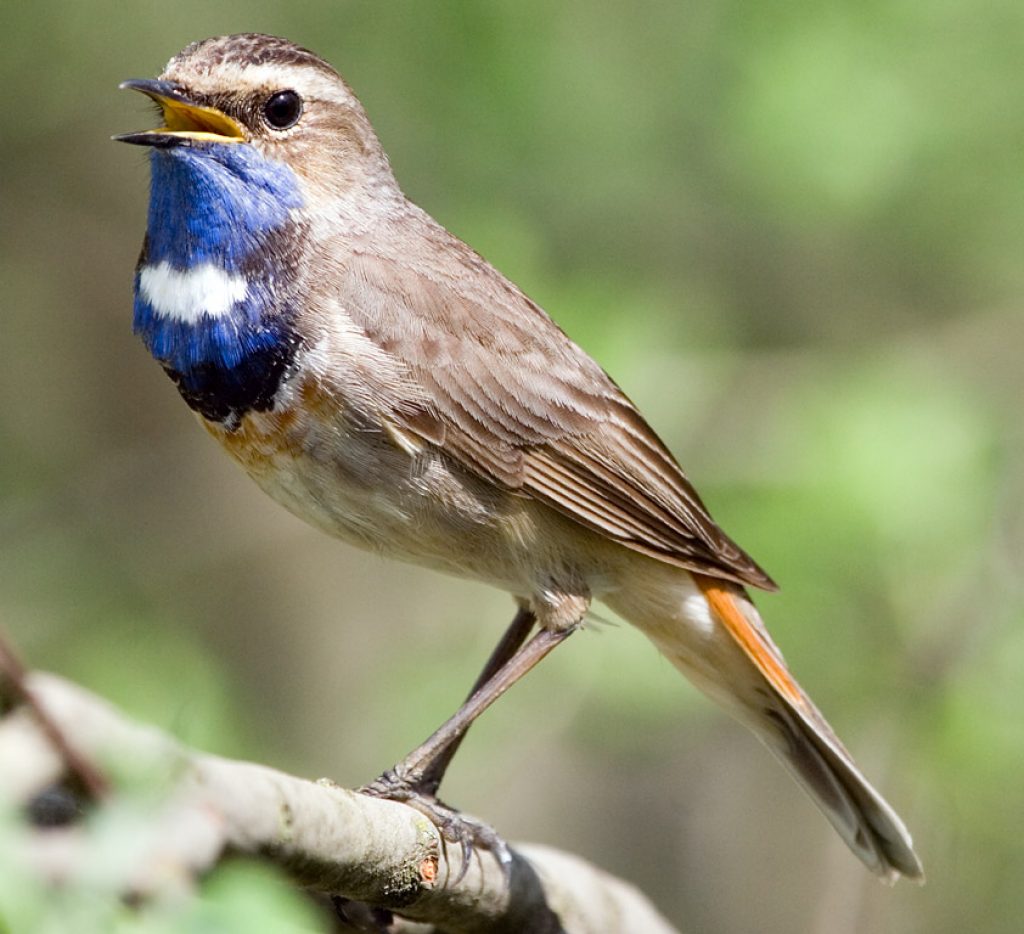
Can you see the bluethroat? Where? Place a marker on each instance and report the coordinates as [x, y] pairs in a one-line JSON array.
[[384, 382]]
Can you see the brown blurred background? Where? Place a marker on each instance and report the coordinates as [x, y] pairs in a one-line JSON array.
[[791, 231]]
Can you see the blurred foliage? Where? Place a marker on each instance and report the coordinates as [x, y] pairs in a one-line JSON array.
[[790, 230], [238, 897]]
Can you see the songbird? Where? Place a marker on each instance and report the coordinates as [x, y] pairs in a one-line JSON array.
[[385, 383]]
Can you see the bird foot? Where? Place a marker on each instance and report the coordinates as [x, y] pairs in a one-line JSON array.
[[468, 833]]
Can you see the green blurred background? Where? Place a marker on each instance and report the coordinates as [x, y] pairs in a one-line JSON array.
[[791, 231]]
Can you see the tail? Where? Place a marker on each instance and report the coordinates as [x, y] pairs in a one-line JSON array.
[[791, 726]]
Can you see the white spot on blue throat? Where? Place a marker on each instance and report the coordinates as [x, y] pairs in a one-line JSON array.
[[212, 287], [186, 295], [215, 291]]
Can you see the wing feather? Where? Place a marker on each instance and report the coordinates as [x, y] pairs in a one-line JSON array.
[[520, 404]]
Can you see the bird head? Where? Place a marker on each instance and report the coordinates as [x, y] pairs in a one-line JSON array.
[[267, 95], [262, 152]]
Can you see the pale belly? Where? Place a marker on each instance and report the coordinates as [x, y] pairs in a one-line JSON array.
[[361, 486]]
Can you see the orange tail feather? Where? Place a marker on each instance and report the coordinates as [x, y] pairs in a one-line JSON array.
[[799, 735]]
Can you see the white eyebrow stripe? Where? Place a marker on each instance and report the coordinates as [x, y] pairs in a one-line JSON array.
[[188, 294]]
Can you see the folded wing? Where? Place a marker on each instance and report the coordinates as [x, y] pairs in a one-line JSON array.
[[510, 397]]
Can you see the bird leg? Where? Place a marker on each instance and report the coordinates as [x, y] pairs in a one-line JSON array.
[[421, 771], [511, 641], [416, 778]]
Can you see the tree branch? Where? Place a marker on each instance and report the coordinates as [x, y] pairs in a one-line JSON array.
[[328, 839]]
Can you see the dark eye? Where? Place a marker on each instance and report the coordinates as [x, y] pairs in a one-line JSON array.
[[282, 110]]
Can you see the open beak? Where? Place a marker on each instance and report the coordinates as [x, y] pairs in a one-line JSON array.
[[183, 120]]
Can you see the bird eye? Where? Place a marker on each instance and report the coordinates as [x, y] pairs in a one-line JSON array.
[[282, 110]]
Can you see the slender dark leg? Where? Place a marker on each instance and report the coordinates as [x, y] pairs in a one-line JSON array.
[[416, 778], [510, 643], [405, 780]]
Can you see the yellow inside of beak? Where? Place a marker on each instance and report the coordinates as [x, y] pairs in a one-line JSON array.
[[196, 122]]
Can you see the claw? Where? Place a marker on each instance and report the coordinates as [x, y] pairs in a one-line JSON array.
[[467, 854], [504, 857], [454, 827]]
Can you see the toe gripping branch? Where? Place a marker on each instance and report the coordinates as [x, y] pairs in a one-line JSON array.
[[416, 779]]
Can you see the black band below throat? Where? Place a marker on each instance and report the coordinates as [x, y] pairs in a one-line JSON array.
[[226, 395]]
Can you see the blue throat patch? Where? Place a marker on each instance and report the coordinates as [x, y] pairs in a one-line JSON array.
[[224, 205]]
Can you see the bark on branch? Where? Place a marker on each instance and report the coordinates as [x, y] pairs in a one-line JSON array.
[[329, 839]]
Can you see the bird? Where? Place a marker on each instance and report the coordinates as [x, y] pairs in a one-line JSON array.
[[385, 383]]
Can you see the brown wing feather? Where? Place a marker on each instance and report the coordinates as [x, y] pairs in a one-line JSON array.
[[521, 404]]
